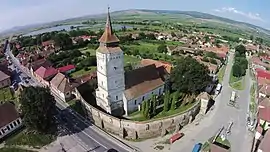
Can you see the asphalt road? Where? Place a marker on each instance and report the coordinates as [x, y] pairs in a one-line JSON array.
[[221, 116], [76, 125]]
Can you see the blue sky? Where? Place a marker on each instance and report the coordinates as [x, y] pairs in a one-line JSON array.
[[24, 12]]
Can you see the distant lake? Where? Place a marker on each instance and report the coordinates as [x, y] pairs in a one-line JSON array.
[[56, 28], [81, 26]]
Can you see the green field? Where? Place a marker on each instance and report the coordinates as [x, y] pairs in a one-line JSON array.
[[6, 94], [82, 72], [221, 73], [237, 83], [11, 149], [30, 139]]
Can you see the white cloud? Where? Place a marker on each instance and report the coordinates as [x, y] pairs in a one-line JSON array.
[[253, 16]]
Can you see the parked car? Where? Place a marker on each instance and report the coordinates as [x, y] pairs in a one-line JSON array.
[[197, 147], [176, 137]]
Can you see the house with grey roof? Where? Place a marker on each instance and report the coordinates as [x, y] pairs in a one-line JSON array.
[[9, 119], [4, 80]]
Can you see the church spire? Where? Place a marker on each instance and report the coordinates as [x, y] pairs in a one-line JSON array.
[[108, 35]]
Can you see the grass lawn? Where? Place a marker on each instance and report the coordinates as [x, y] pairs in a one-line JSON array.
[[5, 94], [136, 116], [30, 139], [237, 83], [131, 59], [206, 145], [83, 72], [86, 49], [252, 103], [221, 73], [7, 149], [143, 47]]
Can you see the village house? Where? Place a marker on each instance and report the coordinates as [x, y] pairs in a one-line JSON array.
[[9, 119], [33, 66], [252, 48], [87, 77], [63, 86], [4, 80], [118, 92], [264, 145], [50, 44], [256, 62], [67, 69], [44, 75]]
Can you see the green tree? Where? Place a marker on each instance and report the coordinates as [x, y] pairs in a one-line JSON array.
[[147, 109], [237, 70], [174, 100], [62, 40], [213, 61], [166, 101], [88, 54], [162, 48], [189, 76], [173, 34], [143, 108], [241, 49], [154, 105], [251, 37], [38, 107]]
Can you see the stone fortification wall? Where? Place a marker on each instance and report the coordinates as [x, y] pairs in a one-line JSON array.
[[134, 129]]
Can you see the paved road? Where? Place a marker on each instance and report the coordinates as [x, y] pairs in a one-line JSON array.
[[91, 138], [221, 116]]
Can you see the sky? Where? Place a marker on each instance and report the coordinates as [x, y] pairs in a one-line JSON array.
[[24, 12]]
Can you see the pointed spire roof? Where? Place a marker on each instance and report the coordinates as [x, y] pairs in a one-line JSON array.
[[108, 35]]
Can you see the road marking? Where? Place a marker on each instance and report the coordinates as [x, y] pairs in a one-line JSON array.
[[91, 138]]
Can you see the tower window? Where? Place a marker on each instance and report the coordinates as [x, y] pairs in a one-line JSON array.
[[135, 102], [116, 97]]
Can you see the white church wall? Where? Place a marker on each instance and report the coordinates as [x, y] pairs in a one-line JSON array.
[[132, 105]]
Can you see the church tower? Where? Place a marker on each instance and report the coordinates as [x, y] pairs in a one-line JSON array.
[[110, 72]]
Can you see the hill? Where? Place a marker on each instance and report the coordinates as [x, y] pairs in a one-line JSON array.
[[201, 20]]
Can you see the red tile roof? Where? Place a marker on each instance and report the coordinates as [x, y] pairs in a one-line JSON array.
[[263, 73], [66, 68], [46, 43], [108, 35], [142, 80], [257, 60], [263, 81], [45, 73], [88, 77], [166, 65], [265, 146], [264, 110]]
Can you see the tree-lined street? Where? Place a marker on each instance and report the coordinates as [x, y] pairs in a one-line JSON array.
[[85, 134], [240, 138]]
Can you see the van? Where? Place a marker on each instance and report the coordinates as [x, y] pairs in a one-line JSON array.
[[197, 147], [218, 89]]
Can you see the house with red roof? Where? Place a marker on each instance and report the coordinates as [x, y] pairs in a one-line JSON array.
[[257, 62], [44, 75], [260, 73], [50, 44], [264, 145], [262, 131], [67, 69]]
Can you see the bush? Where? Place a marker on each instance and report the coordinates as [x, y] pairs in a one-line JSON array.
[[213, 61], [205, 59]]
